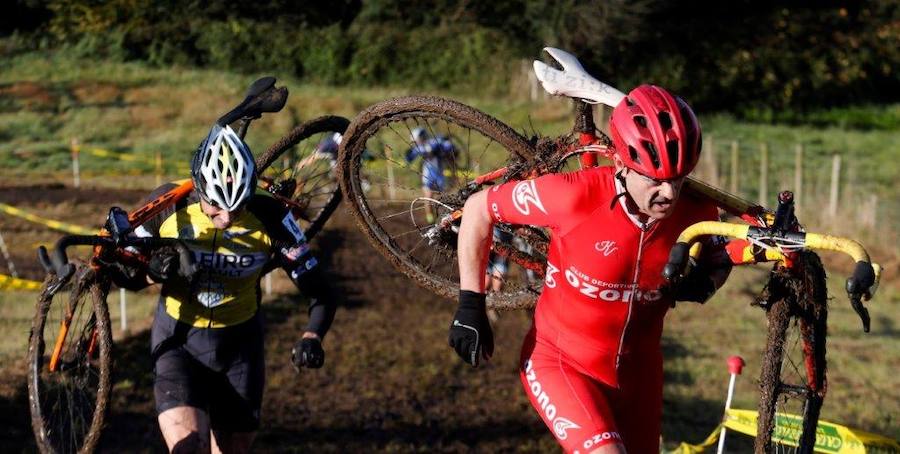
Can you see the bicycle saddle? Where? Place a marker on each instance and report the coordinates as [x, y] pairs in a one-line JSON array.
[[573, 81]]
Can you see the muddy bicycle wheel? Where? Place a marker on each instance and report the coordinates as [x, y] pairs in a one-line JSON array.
[[68, 404], [300, 169], [792, 380], [400, 189]]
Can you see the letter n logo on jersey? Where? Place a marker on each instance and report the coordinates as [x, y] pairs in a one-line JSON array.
[[524, 195]]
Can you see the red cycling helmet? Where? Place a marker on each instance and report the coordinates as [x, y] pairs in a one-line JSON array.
[[656, 133]]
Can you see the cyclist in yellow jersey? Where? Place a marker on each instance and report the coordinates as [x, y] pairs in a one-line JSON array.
[[207, 336]]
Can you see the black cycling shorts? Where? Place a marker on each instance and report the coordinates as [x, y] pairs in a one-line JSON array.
[[218, 370]]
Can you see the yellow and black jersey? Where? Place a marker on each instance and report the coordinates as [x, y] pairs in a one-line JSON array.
[[225, 291]]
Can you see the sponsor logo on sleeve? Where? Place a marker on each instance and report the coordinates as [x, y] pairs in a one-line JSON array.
[[291, 225], [231, 234], [525, 195], [495, 209], [304, 268], [295, 252]]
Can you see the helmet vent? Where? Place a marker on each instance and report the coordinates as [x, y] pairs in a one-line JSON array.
[[640, 120], [651, 150], [629, 102], [634, 154], [665, 121], [672, 152]]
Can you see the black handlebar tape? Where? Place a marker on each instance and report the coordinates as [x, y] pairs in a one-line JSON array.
[[678, 259]]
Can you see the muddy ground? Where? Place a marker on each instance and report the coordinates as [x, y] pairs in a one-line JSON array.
[[390, 383]]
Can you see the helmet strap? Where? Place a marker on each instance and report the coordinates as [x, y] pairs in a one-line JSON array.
[[621, 179]]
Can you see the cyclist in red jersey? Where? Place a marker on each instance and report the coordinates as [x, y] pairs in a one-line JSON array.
[[592, 363]]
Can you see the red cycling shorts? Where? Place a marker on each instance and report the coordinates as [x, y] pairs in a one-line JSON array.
[[582, 412]]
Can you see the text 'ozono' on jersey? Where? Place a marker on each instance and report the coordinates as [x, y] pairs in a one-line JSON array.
[[601, 297]]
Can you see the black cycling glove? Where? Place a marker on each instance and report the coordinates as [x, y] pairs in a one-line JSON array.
[[308, 353], [697, 286], [470, 332], [163, 266], [129, 278]]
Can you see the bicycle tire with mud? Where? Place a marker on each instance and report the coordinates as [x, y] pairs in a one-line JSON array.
[[84, 281], [366, 125], [328, 123], [799, 303]]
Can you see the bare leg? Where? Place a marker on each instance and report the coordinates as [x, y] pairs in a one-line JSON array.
[[185, 429]]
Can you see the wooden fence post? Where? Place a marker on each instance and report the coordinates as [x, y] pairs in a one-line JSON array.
[[709, 159], [76, 171], [158, 169], [798, 175], [9, 262], [123, 316], [833, 194], [867, 215], [733, 184], [763, 173]]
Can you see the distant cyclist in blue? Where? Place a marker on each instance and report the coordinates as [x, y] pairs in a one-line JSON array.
[[436, 152]]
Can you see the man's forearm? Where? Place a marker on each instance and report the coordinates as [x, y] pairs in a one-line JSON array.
[[474, 243]]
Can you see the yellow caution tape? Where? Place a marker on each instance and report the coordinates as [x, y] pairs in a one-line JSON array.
[[830, 437], [100, 152], [55, 225], [685, 448], [14, 283]]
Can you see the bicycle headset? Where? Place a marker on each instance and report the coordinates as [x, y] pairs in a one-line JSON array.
[[223, 169]]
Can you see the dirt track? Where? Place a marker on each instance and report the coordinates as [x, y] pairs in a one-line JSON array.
[[390, 383]]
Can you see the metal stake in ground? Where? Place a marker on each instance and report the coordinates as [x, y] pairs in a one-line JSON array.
[[735, 365]]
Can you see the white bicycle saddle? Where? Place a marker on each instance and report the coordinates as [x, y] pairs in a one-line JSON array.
[[573, 81]]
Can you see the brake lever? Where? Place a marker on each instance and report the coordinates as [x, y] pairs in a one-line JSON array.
[[62, 274], [856, 303]]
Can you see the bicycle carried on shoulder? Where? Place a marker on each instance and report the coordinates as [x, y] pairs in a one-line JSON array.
[[391, 211], [69, 383]]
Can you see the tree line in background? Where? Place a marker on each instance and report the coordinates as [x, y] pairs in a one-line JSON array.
[[768, 60]]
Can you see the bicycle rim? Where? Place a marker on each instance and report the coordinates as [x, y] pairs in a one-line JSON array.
[[68, 405], [301, 169], [399, 204], [792, 381]]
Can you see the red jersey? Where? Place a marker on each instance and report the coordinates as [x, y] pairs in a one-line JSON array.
[[601, 298]]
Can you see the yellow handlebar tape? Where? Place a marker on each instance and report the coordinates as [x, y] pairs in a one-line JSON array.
[[728, 229], [14, 283], [55, 225], [836, 243], [812, 240]]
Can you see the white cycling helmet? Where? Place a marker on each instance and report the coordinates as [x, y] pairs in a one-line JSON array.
[[223, 169]]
